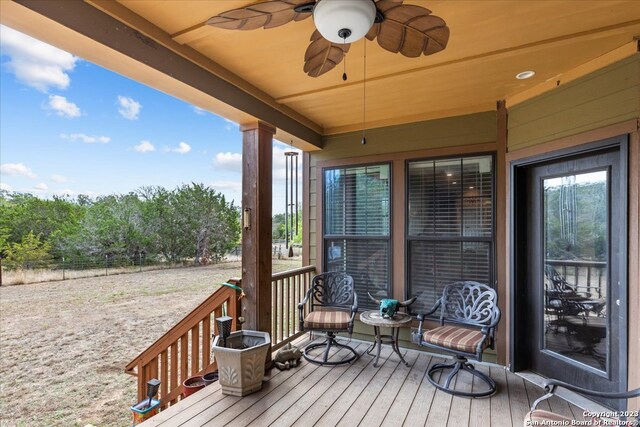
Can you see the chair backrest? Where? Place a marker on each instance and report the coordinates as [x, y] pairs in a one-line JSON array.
[[558, 281], [334, 289], [469, 303]]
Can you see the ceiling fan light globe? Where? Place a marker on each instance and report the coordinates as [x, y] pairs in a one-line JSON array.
[[332, 16]]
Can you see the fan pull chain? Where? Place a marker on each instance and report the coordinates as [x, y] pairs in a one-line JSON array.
[[364, 94], [344, 54]]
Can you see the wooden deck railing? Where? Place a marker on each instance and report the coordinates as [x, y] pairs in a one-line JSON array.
[[287, 290], [185, 350]]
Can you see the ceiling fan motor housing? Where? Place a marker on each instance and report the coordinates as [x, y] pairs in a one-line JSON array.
[[344, 21]]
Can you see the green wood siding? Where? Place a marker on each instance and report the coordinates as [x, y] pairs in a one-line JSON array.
[[608, 96]]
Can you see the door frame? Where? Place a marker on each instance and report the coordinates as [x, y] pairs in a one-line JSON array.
[[517, 234]]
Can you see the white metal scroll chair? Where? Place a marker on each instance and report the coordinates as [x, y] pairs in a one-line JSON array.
[[469, 314], [333, 307], [542, 417]]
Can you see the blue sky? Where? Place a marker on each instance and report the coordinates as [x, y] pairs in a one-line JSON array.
[[70, 127]]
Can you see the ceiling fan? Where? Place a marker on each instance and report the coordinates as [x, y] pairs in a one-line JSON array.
[[400, 28]]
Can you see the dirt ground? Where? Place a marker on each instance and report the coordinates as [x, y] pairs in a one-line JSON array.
[[64, 345]]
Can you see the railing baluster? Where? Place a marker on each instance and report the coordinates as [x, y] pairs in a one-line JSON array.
[[274, 306], [280, 336], [296, 299], [285, 307], [174, 368], [206, 341], [153, 368], [164, 374], [184, 357], [292, 296], [195, 348], [142, 381]]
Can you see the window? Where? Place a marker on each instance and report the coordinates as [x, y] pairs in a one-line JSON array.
[[357, 223], [450, 226]]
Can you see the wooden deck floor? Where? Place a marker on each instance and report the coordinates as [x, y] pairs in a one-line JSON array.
[[362, 395]]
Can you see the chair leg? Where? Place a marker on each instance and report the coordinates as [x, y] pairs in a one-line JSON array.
[[460, 364], [323, 359]]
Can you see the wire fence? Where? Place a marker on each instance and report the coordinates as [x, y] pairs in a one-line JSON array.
[[70, 267], [74, 267]]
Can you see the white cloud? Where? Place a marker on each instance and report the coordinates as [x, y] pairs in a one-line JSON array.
[[183, 148], [5, 187], [227, 185], [229, 161], [17, 169], [35, 63], [129, 108], [230, 124], [87, 139], [199, 111], [231, 189], [279, 161], [144, 147], [62, 107], [41, 186], [59, 178]]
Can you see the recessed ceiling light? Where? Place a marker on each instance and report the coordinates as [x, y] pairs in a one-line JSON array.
[[454, 182], [449, 174], [470, 188], [525, 75]]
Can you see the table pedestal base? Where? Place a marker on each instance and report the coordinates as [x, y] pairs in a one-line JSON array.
[[385, 339]]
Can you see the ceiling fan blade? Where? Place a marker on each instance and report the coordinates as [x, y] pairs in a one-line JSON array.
[[269, 14], [322, 55], [410, 30]]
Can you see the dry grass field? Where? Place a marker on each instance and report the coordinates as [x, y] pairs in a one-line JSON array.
[[64, 345]]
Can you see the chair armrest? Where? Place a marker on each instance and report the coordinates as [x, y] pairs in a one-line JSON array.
[[551, 386], [354, 307], [422, 317], [301, 308], [305, 299]]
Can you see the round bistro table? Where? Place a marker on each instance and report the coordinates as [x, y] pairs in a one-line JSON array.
[[373, 318]]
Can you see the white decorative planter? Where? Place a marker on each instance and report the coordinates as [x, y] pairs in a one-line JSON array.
[[241, 362]]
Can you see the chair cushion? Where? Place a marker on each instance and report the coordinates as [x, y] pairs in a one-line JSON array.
[[540, 417], [326, 320], [455, 338]]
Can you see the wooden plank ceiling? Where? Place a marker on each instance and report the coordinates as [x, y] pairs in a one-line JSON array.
[[491, 41]]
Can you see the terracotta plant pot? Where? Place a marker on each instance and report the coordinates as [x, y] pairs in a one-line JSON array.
[[210, 378], [191, 385]]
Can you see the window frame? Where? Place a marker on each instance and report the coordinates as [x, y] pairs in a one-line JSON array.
[[491, 240], [363, 299]]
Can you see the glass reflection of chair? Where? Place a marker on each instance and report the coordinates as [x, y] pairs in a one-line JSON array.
[[563, 299], [579, 317]]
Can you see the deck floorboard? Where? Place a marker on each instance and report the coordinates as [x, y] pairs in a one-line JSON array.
[[359, 394]]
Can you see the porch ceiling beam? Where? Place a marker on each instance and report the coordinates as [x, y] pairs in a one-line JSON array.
[[187, 66]]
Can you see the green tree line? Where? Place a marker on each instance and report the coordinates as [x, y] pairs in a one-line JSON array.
[[190, 222], [279, 228]]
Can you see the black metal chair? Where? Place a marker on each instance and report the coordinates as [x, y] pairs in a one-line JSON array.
[[333, 307], [542, 417], [469, 314]]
